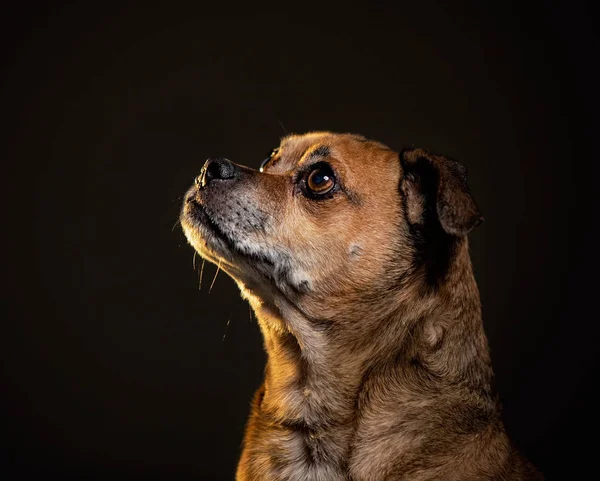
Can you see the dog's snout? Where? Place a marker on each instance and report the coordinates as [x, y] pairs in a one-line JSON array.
[[216, 168]]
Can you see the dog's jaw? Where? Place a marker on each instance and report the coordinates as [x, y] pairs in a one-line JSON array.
[[227, 237]]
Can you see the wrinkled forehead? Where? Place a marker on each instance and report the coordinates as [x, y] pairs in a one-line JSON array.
[[347, 149]]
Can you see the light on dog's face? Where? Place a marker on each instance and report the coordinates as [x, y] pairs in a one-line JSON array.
[[320, 217]]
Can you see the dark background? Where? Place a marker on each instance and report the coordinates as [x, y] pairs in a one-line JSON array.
[[114, 363]]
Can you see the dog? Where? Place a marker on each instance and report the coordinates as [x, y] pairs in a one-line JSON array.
[[355, 260]]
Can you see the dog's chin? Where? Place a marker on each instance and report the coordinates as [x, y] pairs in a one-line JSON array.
[[204, 234], [211, 242], [264, 273]]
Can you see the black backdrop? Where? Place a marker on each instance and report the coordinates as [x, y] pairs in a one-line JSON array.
[[115, 365]]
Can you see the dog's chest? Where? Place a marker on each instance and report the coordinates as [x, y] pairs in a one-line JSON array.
[[298, 454]]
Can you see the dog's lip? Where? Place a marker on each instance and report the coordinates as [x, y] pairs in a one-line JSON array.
[[200, 213]]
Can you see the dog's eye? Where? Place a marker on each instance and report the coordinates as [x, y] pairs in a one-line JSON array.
[[270, 155], [320, 180]]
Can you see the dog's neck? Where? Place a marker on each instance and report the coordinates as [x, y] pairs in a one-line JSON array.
[[315, 377]]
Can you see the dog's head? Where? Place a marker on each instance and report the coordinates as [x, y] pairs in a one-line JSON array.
[[329, 220]]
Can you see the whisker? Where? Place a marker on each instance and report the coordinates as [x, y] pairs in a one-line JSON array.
[[201, 272], [175, 225], [226, 326], [250, 311], [194, 261], [281, 124], [215, 278]]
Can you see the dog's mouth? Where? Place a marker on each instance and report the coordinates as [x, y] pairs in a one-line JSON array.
[[210, 239], [241, 252], [197, 218], [199, 213]]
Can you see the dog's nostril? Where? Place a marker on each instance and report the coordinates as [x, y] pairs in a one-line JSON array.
[[217, 168]]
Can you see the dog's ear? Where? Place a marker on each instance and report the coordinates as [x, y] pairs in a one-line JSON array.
[[432, 183]]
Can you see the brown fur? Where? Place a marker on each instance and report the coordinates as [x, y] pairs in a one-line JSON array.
[[378, 365]]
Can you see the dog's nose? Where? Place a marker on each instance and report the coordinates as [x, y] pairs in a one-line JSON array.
[[216, 168]]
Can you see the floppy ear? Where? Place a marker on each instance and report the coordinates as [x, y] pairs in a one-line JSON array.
[[432, 183]]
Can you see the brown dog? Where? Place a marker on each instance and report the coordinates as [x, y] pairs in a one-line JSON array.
[[356, 263]]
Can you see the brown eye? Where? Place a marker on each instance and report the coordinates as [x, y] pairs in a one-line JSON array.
[[320, 180]]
